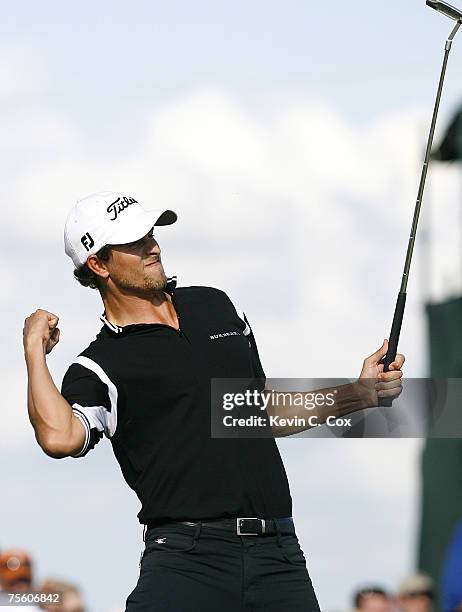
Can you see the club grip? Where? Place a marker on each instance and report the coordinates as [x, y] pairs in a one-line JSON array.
[[393, 340]]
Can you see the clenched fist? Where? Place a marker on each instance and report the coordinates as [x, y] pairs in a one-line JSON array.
[[41, 326]]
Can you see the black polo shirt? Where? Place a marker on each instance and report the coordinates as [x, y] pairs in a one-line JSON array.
[[147, 388]]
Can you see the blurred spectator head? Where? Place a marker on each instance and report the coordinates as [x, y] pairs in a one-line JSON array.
[[372, 598], [416, 593], [15, 571], [71, 599]]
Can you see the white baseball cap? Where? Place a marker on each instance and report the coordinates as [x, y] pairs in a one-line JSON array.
[[108, 217]]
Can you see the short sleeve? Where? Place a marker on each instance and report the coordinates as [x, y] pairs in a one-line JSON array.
[[89, 397]]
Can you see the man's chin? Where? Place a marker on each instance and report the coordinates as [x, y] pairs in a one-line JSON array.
[[158, 284]]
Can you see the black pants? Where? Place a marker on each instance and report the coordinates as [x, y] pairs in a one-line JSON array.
[[206, 569]]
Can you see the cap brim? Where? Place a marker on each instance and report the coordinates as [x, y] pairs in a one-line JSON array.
[[138, 227], [166, 218]]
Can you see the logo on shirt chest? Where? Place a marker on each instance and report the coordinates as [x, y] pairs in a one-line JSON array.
[[224, 335]]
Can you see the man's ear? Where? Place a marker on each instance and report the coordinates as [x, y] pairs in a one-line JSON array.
[[97, 266]]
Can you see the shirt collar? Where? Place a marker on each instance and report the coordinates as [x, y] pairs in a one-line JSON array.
[[170, 288]]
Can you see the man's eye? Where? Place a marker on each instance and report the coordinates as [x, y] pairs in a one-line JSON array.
[[132, 245]]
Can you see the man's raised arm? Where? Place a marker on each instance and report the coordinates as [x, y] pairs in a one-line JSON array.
[[288, 417], [57, 430]]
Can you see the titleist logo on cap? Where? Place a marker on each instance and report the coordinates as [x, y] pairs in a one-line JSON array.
[[119, 205]]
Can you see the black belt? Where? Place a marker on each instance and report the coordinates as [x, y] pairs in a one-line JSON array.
[[244, 526]]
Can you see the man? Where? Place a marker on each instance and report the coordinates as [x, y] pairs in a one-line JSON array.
[[145, 383], [16, 580], [416, 593], [70, 597], [15, 571], [372, 599]]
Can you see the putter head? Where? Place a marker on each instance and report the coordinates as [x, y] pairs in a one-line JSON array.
[[446, 9]]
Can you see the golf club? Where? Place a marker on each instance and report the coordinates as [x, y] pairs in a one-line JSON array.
[[452, 13], [446, 9]]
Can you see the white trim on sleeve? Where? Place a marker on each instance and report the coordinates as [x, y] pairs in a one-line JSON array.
[[100, 414], [82, 418]]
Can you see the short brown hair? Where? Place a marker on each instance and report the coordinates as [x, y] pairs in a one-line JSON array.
[[87, 277]]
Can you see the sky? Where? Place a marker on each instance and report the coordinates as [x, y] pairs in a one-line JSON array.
[[288, 137]]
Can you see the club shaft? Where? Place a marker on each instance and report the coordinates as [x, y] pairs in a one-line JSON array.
[[401, 301], [423, 178]]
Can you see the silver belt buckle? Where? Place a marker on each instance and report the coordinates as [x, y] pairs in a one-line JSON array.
[[249, 518]]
